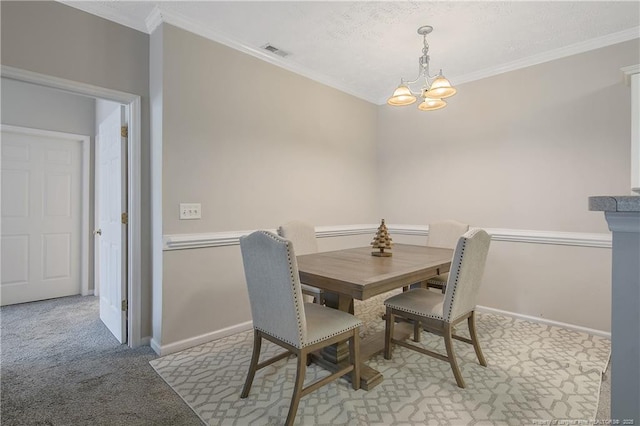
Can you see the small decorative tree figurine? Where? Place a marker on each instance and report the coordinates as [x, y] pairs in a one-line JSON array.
[[382, 241]]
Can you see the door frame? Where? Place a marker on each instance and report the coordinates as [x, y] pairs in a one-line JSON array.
[[134, 236], [85, 232]]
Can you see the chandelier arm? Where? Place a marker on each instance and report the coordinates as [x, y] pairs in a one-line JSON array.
[[413, 81], [434, 87], [433, 77], [422, 73]]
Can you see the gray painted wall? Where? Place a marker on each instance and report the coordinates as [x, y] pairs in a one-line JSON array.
[[53, 39], [521, 150], [56, 40], [256, 144], [254, 158], [542, 138], [38, 107]]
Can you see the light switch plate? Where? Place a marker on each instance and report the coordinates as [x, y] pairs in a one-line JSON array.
[[190, 211]]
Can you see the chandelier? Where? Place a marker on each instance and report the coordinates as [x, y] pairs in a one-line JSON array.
[[434, 88]]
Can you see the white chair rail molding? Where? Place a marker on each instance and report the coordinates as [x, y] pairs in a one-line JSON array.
[[230, 238], [523, 268]]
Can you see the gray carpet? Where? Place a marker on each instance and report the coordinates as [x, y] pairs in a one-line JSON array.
[[59, 365]]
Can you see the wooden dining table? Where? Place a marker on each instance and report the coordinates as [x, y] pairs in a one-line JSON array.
[[354, 273]]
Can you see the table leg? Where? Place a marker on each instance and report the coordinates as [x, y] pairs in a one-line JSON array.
[[338, 301], [336, 356], [340, 351]]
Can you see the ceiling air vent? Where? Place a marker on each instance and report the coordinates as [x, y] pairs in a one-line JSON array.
[[275, 50]]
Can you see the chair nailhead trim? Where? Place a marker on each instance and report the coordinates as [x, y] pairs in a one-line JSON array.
[[455, 283], [331, 335], [300, 344], [411, 311], [295, 294]]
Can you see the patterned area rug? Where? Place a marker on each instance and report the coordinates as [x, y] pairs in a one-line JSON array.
[[535, 374]]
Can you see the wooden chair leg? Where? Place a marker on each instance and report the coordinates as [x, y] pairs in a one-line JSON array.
[[297, 390], [451, 356], [388, 333], [354, 354], [257, 343], [471, 321]]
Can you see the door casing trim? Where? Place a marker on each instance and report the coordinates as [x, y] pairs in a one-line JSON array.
[[134, 235]]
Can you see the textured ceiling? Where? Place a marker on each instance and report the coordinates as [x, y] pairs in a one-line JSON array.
[[364, 48]]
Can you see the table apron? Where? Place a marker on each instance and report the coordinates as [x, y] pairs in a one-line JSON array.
[[363, 292]]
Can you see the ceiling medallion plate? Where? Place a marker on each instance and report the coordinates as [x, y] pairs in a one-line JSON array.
[[425, 30]]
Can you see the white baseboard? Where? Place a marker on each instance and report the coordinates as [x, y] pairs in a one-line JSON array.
[[163, 350], [238, 328], [545, 321], [155, 346]]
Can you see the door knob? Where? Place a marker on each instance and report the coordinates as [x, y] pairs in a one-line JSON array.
[[97, 232]]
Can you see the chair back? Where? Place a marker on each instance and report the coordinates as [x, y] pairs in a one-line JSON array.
[[302, 235], [273, 282], [466, 272], [445, 234]]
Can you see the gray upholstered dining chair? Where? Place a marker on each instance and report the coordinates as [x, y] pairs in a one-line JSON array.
[[444, 234], [439, 313], [280, 315], [303, 237]]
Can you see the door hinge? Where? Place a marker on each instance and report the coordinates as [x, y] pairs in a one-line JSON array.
[[125, 218], [125, 305], [124, 131]]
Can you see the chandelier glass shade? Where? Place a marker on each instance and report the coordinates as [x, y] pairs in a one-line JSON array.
[[402, 96], [431, 104], [433, 88]]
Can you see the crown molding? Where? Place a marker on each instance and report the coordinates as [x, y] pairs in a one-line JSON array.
[[551, 55], [153, 20], [105, 11], [159, 16], [628, 222]]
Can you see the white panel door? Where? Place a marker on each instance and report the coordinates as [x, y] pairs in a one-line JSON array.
[[111, 195], [41, 216]]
